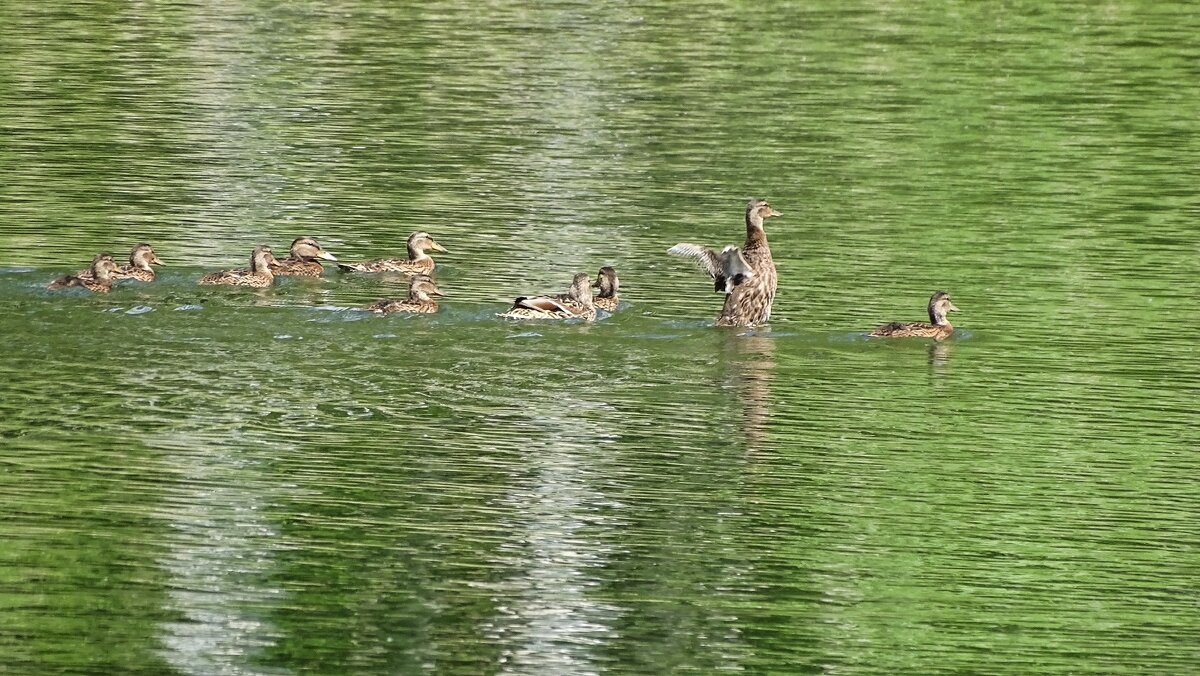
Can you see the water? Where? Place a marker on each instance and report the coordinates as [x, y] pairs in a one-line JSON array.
[[201, 480]]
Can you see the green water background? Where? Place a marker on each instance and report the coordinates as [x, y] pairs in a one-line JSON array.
[[199, 480]]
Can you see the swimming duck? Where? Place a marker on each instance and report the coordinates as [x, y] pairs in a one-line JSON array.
[[575, 304], [606, 281], [417, 262], [140, 259], [303, 261], [939, 329], [746, 276], [259, 274], [100, 280], [420, 298]]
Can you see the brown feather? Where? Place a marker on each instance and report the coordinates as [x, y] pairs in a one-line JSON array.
[[914, 330], [389, 306], [419, 266], [293, 267]]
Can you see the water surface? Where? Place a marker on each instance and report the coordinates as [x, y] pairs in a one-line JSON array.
[[201, 480]]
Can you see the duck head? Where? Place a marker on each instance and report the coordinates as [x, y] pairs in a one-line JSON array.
[[939, 305], [419, 242], [143, 256], [262, 259], [422, 289], [103, 266], [581, 289], [606, 281], [307, 249], [758, 211]]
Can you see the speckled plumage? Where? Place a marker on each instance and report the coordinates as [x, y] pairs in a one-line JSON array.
[[418, 262], [607, 298], [575, 304], [304, 259], [259, 275], [939, 327], [421, 291], [141, 257], [746, 276], [99, 279]]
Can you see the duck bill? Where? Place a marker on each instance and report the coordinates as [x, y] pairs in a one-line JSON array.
[[953, 308], [155, 261], [437, 247], [327, 256], [438, 292], [774, 213]]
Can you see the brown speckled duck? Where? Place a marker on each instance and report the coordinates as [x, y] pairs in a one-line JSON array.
[[418, 261], [939, 327], [305, 259], [746, 276], [259, 274], [608, 284], [99, 280], [140, 259], [421, 291], [575, 304]]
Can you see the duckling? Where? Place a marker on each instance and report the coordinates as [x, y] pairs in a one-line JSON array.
[[606, 281], [140, 259], [420, 292], [259, 274], [746, 276], [417, 262], [99, 281], [303, 259], [575, 304], [939, 329]]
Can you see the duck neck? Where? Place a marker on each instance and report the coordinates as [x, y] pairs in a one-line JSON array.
[[755, 234], [938, 317]]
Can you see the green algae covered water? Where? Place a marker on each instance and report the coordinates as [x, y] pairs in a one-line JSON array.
[[201, 480]]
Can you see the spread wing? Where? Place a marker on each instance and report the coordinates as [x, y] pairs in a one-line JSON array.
[[734, 268], [728, 268], [709, 261], [543, 303]]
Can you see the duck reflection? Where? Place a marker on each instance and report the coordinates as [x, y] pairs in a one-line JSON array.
[[752, 365], [939, 356]]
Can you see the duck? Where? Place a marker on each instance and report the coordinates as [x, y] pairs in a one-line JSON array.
[[100, 279], [304, 260], [417, 262], [577, 303], [606, 281], [746, 275], [141, 257], [259, 274], [420, 298], [939, 327]]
